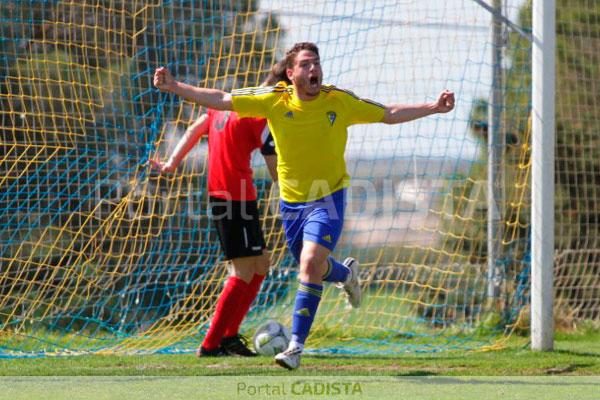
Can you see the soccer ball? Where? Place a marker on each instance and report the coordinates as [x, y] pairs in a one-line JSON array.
[[271, 338]]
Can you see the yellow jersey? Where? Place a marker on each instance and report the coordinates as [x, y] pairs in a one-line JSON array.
[[310, 136]]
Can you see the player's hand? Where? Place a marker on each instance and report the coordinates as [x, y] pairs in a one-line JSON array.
[[163, 79], [445, 102], [162, 167]]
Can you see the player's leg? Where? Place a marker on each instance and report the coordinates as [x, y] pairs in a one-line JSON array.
[[327, 233], [321, 226], [243, 268], [294, 217], [313, 264], [324, 227], [233, 236], [352, 283], [252, 269], [346, 276]]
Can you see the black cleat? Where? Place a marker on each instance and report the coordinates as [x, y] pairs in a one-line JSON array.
[[218, 352], [237, 346]]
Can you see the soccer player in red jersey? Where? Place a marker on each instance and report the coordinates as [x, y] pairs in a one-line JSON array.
[[232, 197]]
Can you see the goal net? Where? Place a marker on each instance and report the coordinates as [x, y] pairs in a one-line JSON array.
[[100, 255]]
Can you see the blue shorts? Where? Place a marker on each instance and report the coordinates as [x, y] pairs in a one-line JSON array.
[[319, 221]]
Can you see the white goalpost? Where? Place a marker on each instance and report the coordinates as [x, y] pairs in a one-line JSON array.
[[543, 134]]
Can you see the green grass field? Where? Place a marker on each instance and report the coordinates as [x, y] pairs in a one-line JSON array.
[[571, 371], [574, 354]]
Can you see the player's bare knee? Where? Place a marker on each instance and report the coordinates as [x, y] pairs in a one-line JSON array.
[[311, 266], [243, 268], [263, 263]]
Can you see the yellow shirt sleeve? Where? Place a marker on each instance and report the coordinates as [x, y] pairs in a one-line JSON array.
[[362, 111], [255, 101]]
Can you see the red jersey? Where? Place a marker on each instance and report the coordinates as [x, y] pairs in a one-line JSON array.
[[231, 141]]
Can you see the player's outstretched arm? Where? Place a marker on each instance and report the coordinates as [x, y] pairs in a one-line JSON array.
[[186, 143], [397, 113], [211, 98]]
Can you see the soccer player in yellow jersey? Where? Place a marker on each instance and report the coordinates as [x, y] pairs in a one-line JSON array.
[[309, 121]]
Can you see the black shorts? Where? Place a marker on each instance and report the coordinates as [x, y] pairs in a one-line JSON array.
[[238, 227]]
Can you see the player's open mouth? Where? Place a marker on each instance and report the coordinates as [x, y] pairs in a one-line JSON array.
[[314, 81]]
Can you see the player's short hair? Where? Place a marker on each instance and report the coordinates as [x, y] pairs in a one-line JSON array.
[[291, 54], [277, 74]]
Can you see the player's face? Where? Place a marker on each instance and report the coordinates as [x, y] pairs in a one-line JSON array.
[[306, 75]]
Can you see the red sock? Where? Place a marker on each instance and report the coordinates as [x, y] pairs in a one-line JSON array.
[[244, 306], [234, 293]]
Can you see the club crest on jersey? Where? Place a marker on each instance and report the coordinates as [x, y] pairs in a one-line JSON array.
[[289, 114], [331, 115]]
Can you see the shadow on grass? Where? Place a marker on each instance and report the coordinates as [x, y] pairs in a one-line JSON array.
[[391, 357], [578, 353], [415, 373]]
